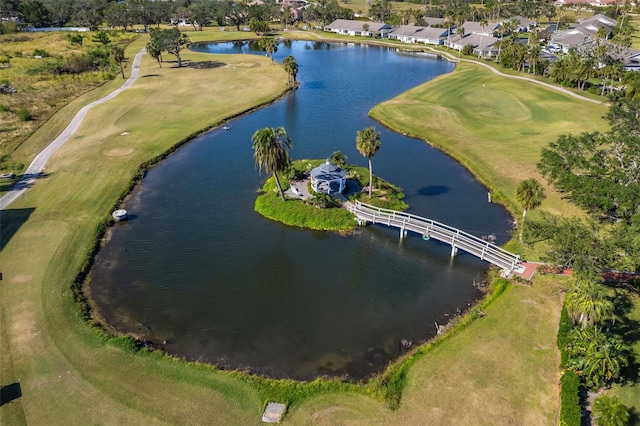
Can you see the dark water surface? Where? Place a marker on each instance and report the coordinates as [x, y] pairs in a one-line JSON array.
[[199, 268]]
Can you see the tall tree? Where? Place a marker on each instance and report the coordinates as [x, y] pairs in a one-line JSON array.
[[269, 45], [154, 49], [35, 13], [460, 32], [291, 67], [530, 195], [171, 40], [483, 24], [368, 143], [271, 152]]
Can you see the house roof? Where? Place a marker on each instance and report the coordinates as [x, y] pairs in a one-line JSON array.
[[351, 25], [328, 172], [475, 27], [522, 21], [432, 21], [418, 32], [406, 30], [571, 38], [474, 39], [599, 19], [430, 33]]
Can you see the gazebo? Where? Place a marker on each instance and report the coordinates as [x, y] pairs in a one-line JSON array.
[[328, 179]]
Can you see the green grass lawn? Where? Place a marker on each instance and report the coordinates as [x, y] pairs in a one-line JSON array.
[[501, 369], [629, 393], [494, 126]]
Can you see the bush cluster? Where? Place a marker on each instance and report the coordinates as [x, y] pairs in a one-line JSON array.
[[24, 115], [570, 409], [563, 339]]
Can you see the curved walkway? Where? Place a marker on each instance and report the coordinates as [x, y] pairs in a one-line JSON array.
[[519, 77], [35, 168]]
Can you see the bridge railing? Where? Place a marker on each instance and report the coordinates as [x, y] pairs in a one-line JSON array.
[[439, 231]]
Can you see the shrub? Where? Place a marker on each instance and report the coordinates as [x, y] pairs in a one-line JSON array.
[[75, 39], [41, 52], [24, 115], [4, 108], [563, 338], [467, 50], [570, 409], [8, 28]]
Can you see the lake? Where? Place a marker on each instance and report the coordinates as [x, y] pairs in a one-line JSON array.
[[197, 268]]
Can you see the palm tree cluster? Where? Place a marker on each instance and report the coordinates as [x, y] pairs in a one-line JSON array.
[[595, 354], [291, 67]]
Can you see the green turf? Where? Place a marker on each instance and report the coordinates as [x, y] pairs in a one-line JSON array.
[[493, 125]]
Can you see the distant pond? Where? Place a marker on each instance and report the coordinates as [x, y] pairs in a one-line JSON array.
[[197, 268]]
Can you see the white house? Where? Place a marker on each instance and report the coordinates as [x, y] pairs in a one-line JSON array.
[[483, 45], [359, 28], [328, 179], [417, 34]]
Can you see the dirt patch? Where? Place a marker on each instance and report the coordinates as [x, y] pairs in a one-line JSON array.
[[325, 413], [246, 64], [22, 278], [118, 152]]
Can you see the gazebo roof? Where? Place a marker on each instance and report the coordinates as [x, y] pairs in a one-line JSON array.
[[328, 172]]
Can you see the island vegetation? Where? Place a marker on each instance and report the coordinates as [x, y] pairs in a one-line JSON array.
[[319, 211]]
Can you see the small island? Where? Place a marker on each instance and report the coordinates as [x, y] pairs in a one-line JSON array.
[[335, 182]]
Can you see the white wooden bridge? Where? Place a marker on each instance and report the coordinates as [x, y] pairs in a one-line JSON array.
[[428, 228]]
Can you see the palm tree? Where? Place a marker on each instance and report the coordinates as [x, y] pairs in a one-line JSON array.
[[483, 24], [271, 152], [460, 32], [596, 356], [587, 303], [529, 194], [291, 67], [269, 45], [610, 411], [368, 143]]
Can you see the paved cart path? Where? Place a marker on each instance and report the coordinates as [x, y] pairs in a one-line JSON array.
[[38, 163]]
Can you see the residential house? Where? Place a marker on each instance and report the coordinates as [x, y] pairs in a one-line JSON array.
[[359, 28], [583, 33], [417, 34], [483, 45], [523, 24], [472, 27]]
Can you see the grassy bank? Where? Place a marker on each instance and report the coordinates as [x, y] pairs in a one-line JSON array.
[[492, 125], [499, 369]]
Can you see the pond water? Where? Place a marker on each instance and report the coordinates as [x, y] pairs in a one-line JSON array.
[[198, 268]]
